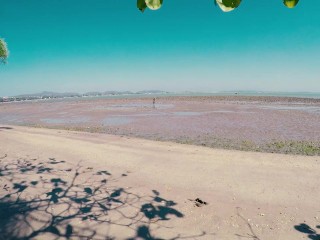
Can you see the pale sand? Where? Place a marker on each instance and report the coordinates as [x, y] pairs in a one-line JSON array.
[[249, 195]]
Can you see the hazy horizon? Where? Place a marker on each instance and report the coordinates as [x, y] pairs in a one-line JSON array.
[[73, 46], [153, 92]]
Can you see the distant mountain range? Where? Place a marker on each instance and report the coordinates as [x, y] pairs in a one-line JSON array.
[[73, 94], [50, 95]]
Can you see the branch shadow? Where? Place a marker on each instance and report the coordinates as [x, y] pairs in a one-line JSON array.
[[252, 234], [52, 199], [5, 128], [306, 229]]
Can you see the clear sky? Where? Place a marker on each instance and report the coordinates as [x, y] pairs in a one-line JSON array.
[[82, 45]]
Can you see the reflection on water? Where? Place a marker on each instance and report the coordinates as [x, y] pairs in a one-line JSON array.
[[187, 113], [310, 109], [207, 112], [114, 121], [132, 106], [148, 114], [227, 111], [11, 118], [74, 120]]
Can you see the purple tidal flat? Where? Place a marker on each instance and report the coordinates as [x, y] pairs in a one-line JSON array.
[[274, 124]]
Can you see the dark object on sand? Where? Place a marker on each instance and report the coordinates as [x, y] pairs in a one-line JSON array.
[[154, 102], [199, 203]]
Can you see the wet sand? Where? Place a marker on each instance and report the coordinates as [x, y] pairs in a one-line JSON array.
[[267, 124], [77, 185]]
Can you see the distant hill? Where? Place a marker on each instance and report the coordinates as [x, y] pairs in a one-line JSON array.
[[74, 94], [50, 95]]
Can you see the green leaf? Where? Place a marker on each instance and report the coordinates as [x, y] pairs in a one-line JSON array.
[[4, 53], [154, 4], [231, 3], [228, 5], [290, 3], [141, 5]]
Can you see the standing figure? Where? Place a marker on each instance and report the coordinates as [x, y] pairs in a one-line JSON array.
[[154, 102]]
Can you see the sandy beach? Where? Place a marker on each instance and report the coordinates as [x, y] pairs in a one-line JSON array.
[[58, 184]]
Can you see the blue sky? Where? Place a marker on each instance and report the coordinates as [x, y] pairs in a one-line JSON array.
[[81, 45]]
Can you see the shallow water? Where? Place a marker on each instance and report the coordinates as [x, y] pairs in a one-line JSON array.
[[115, 121], [11, 118], [73, 120], [132, 106], [187, 113], [311, 109]]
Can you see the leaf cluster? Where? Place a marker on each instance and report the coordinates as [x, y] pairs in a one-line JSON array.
[[225, 5], [4, 53], [151, 4]]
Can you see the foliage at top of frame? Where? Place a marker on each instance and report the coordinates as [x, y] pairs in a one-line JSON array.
[[225, 5]]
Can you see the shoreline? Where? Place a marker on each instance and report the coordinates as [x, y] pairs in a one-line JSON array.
[[302, 148], [262, 124], [241, 98]]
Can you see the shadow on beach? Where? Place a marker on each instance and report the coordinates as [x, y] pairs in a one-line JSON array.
[[306, 229], [5, 128], [54, 200]]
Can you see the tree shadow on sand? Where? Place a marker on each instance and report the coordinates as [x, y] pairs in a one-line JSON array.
[[5, 128], [54, 200], [252, 234], [312, 233]]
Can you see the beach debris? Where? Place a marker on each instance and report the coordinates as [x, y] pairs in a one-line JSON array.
[[199, 203]]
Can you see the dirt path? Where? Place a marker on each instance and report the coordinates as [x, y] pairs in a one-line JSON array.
[[89, 186]]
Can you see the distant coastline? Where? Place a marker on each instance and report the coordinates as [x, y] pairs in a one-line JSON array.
[[156, 93]]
